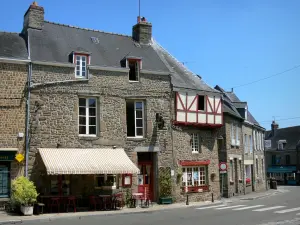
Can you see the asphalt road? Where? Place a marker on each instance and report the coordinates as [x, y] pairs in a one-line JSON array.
[[278, 209]]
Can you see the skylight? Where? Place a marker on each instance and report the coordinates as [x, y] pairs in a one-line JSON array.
[[95, 40]]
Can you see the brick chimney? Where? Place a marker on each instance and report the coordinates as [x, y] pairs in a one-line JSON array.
[[274, 127], [34, 17], [142, 31]]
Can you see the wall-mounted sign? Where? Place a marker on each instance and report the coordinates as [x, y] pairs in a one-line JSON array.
[[127, 180], [7, 155], [19, 157]]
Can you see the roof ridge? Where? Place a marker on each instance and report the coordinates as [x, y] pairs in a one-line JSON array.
[[80, 28], [8, 32]]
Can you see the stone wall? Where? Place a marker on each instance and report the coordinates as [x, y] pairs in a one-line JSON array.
[[12, 110], [54, 111], [233, 180]]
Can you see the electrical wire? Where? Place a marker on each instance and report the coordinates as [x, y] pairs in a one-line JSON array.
[[290, 118]]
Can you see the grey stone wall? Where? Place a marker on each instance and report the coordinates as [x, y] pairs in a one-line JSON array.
[[12, 110], [54, 111]]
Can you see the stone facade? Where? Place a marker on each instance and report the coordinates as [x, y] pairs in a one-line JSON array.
[[232, 154], [12, 111], [54, 112]]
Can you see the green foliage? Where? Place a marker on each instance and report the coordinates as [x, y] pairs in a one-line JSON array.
[[165, 182], [23, 192]]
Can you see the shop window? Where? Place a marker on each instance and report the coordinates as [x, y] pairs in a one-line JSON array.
[[194, 176], [60, 185], [105, 180]]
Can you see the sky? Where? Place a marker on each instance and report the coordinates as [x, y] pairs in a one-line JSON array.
[[229, 43]]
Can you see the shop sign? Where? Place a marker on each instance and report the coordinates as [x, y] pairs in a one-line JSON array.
[[7, 155]]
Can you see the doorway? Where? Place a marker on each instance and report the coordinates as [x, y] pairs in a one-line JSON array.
[[236, 176], [4, 180], [146, 176]]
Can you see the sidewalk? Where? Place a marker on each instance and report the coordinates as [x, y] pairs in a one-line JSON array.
[[15, 219]]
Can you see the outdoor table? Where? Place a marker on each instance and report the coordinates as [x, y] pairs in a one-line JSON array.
[[137, 196]]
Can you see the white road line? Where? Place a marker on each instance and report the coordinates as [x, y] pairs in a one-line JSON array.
[[230, 207], [249, 207], [210, 207], [288, 210], [268, 208]]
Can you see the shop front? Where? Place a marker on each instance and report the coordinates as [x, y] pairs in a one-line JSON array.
[[88, 176], [283, 174]]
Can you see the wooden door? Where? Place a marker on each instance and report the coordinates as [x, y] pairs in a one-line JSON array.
[[145, 178]]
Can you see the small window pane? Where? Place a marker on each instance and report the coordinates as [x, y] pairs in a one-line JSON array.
[[139, 114], [78, 57], [77, 73], [82, 120], [82, 111], [92, 102], [139, 131], [92, 130], [83, 58], [83, 63], [78, 63], [92, 121], [139, 122], [92, 111], [82, 102], [139, 105], [82, 130], [83, 74]]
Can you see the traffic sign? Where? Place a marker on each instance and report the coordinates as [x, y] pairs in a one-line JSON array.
[[223, 166]]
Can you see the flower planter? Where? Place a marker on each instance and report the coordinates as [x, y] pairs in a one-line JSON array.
[[27, 210], [165, 200]]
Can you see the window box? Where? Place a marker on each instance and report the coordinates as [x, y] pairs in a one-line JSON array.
[[165, 200], [231, 182], [195, 189]]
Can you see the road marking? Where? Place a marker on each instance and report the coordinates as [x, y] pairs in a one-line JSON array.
[[288, 210], [210, 207], [268, 208], [249, 207], [230, 207]]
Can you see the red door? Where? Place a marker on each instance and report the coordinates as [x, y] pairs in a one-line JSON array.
[[145, 178]]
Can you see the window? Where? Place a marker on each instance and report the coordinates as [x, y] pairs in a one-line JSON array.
[[232, 134], [287, 159], [134, 69], [245, 143], [195, 143], [256, 165], [231, 171], [105, 180], [201, 102], [254, 140], [248, 174], [87, 116], [273, 159], [237, 135], [60, 184], [194, 176], [80, 69], [135, 118], [250, 144]]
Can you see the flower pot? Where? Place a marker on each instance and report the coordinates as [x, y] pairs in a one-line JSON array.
[[165, 200], [27, 210]]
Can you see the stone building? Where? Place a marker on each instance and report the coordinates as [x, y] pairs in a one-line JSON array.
[[282, 154], [246, 141], [108, 110], [13, 75]]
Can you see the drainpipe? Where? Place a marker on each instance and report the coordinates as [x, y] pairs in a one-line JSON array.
[[243, 159], [28, 110]]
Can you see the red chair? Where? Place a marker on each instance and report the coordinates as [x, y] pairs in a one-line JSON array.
[[93, 202], [71, 202], [56, 203], [145, 198], [119, 200]]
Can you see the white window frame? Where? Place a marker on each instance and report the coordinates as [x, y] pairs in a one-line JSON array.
[[254, 140], [87, 108], [195, 143], [237, 135], [250, 144], [232, 134], [80, 60], [245, 143], [143, 119], [201, 181]]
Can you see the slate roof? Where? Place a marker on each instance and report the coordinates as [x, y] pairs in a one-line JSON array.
[[55, 42], [233, 96], [290, 134], [12, 45], [181, 76]]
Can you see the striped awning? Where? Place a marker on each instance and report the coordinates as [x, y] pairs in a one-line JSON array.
[[87, 161]]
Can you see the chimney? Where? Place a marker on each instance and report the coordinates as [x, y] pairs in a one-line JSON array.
[[142, 31], [34, 17], [274, 127]]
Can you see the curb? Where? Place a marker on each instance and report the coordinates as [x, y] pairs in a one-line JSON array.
[[109, 213]]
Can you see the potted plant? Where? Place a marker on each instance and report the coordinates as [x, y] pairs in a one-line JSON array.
[[165, 186], [24, 194]]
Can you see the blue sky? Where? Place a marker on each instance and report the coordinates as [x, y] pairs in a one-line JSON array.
[[227, 42]]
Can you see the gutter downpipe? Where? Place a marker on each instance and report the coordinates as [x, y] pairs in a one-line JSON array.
[[28, 110]]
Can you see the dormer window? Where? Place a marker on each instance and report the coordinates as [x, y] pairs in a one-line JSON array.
[[81, 60], [281, 144], [134, 64]]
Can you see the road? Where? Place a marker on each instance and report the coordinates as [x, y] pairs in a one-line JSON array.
[[279, 209]]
